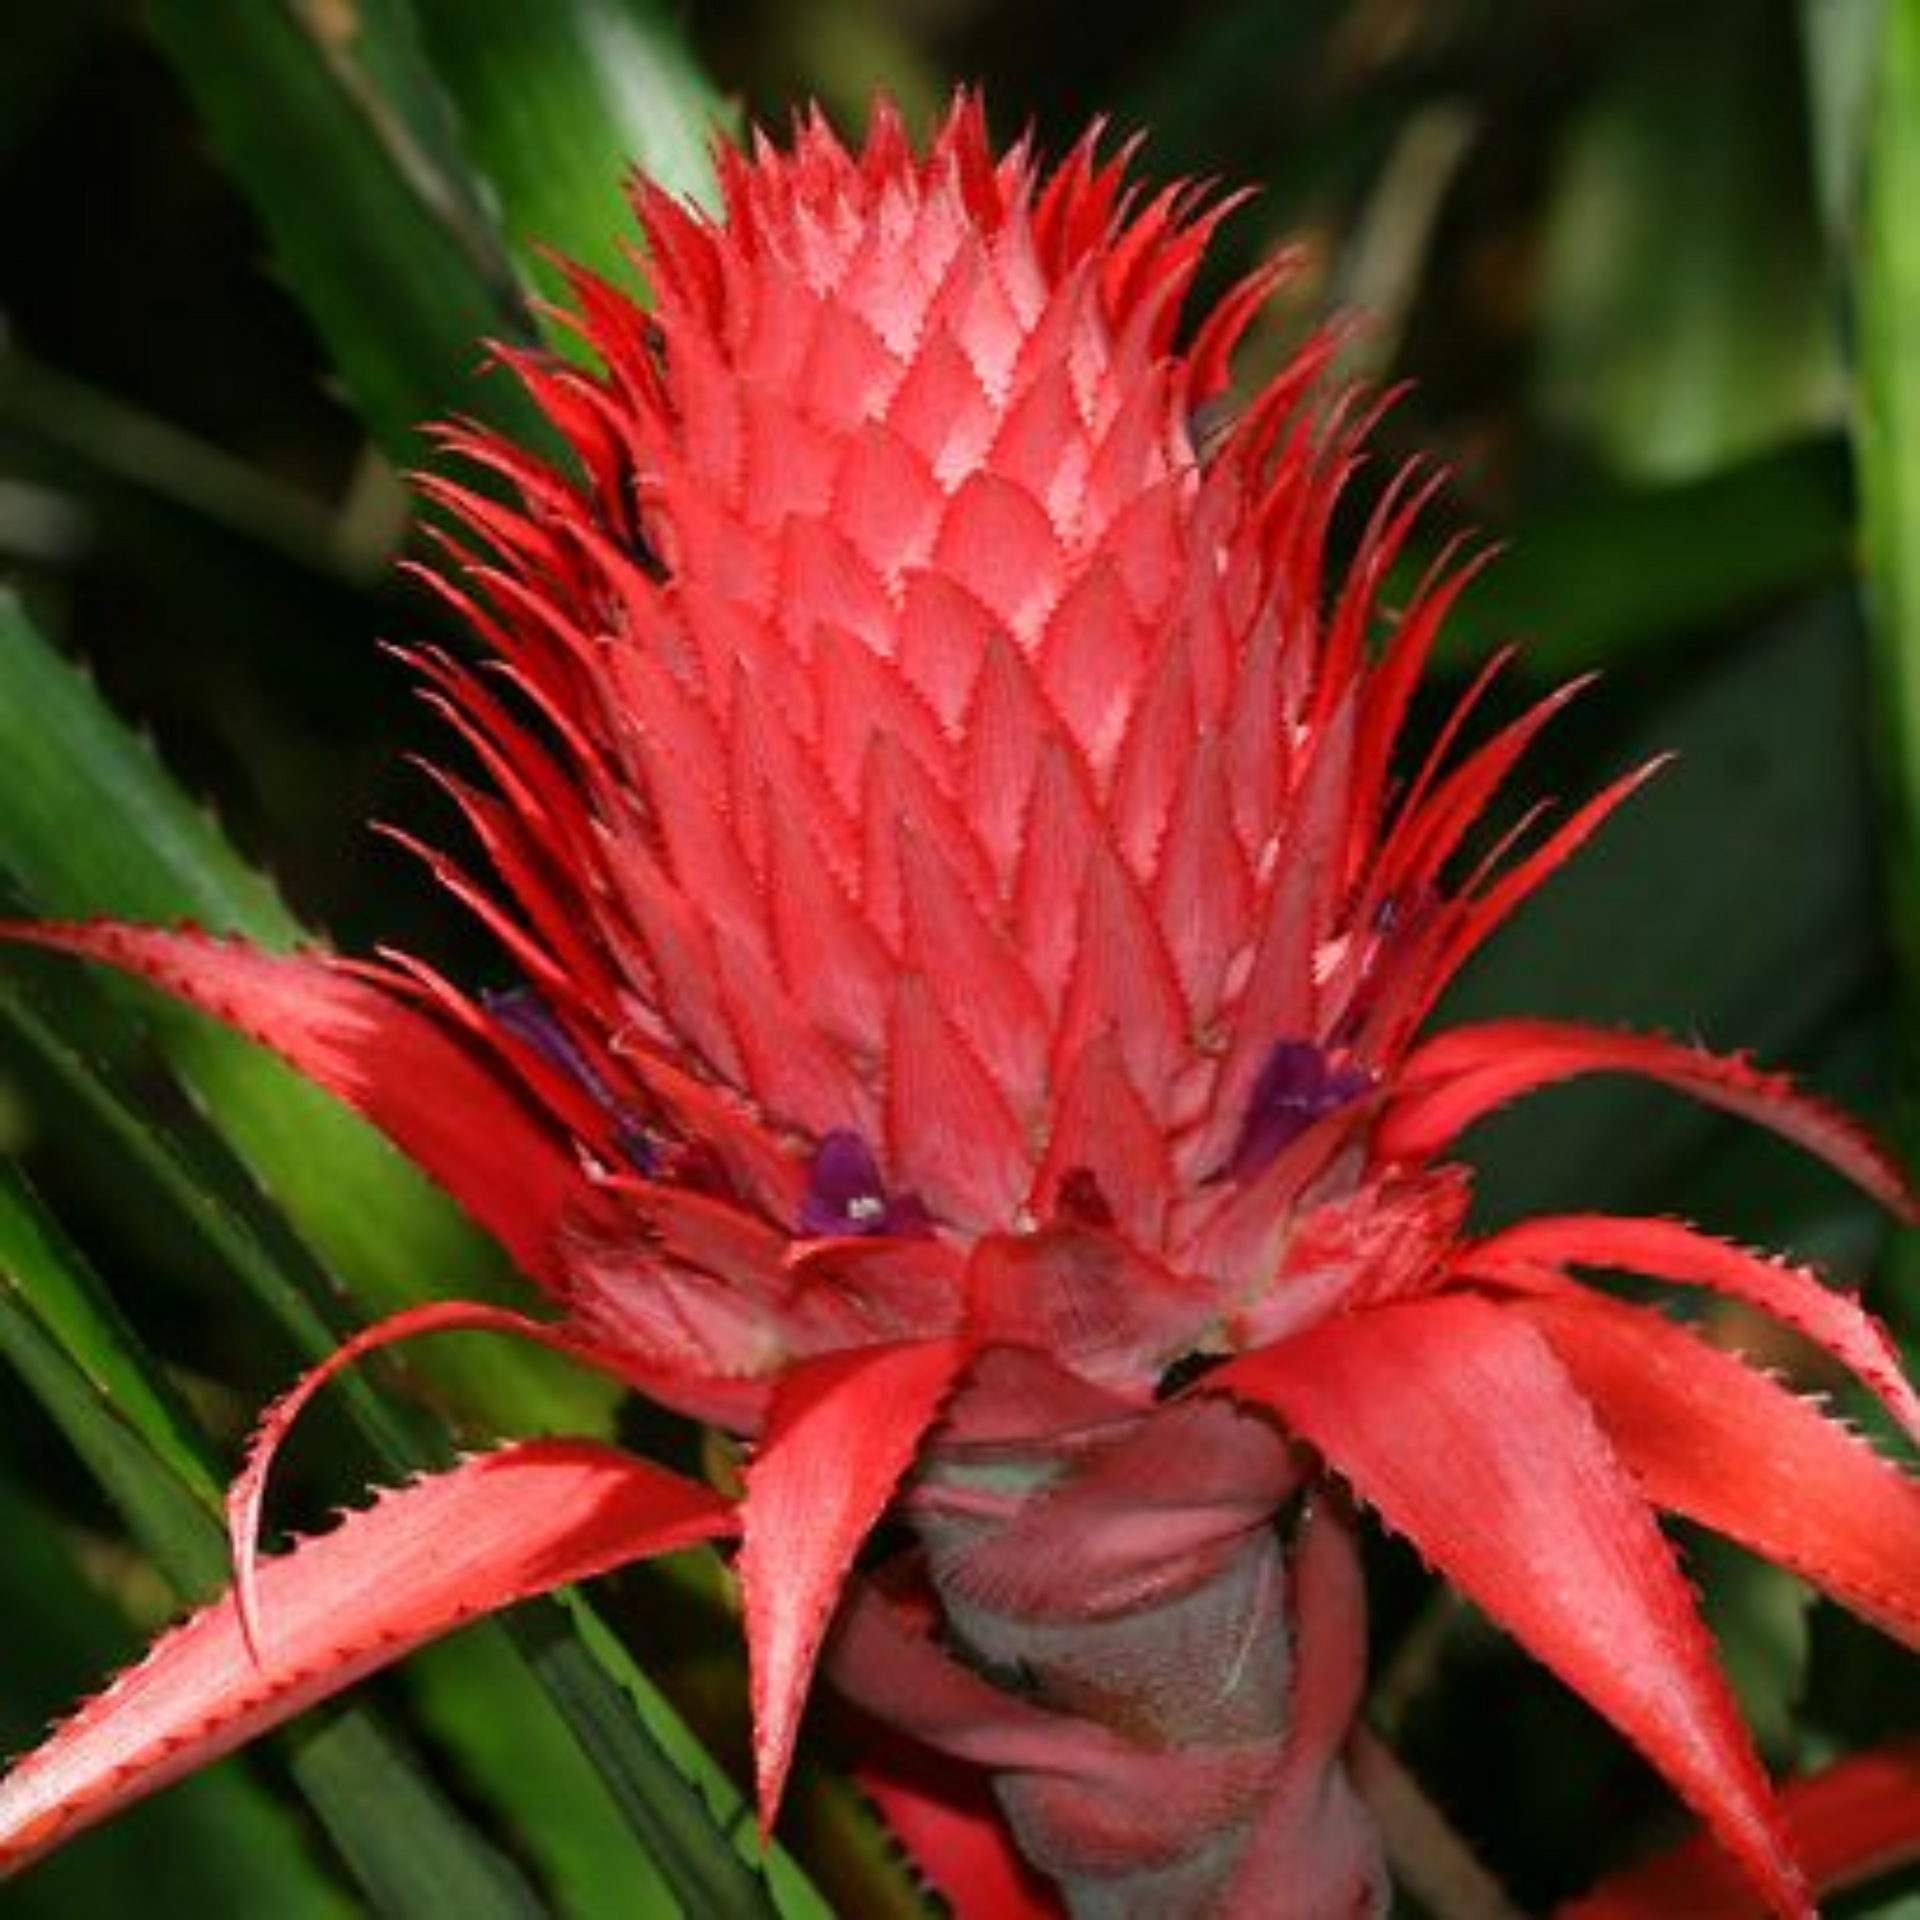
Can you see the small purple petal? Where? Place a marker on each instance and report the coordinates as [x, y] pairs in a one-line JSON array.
[[845, 1194], [1298, 1084], [527, 1017]]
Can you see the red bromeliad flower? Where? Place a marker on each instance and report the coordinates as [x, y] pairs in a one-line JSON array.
[[976, 955]]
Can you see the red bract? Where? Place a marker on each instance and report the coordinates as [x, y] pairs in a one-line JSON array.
[[940, 802]]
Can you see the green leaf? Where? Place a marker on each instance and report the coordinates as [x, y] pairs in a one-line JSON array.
[[1888, 442], [42, 1268], [412, 1850], [699, 1849], [150, 1158], [1684, 305], [559, 104], [329, 119], [90, 823], [597, 1662], [517, 1751], [170, 1517], [1629, 569], [1889, 437]]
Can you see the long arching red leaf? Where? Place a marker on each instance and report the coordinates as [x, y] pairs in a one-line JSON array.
[[1672, 1250], [1463, 1075], [424, 1559]]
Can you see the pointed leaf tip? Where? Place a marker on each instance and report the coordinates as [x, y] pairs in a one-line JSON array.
[[246, 1497], [842, 1431], [945, 1816]]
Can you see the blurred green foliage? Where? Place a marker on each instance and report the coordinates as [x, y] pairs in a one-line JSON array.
[[1646, 271]]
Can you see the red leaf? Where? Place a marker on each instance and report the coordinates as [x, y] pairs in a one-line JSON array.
[[1850, 1823], [1462, 1076], [384, 1058], [247, 1495], [426, 1558], [1671, 1250], [841, 1432], [1710, 1438], [1454, 1419], [945, 1817]]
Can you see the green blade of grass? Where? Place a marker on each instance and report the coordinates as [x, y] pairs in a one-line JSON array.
[[174, 1519], [413, 1851], [1889, 431], [597, 1669], [698, 1847], [213, 1231], [518, 1752], [424, 238]]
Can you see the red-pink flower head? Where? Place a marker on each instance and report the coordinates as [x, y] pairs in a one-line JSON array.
[[972, 939], [948, 794]]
